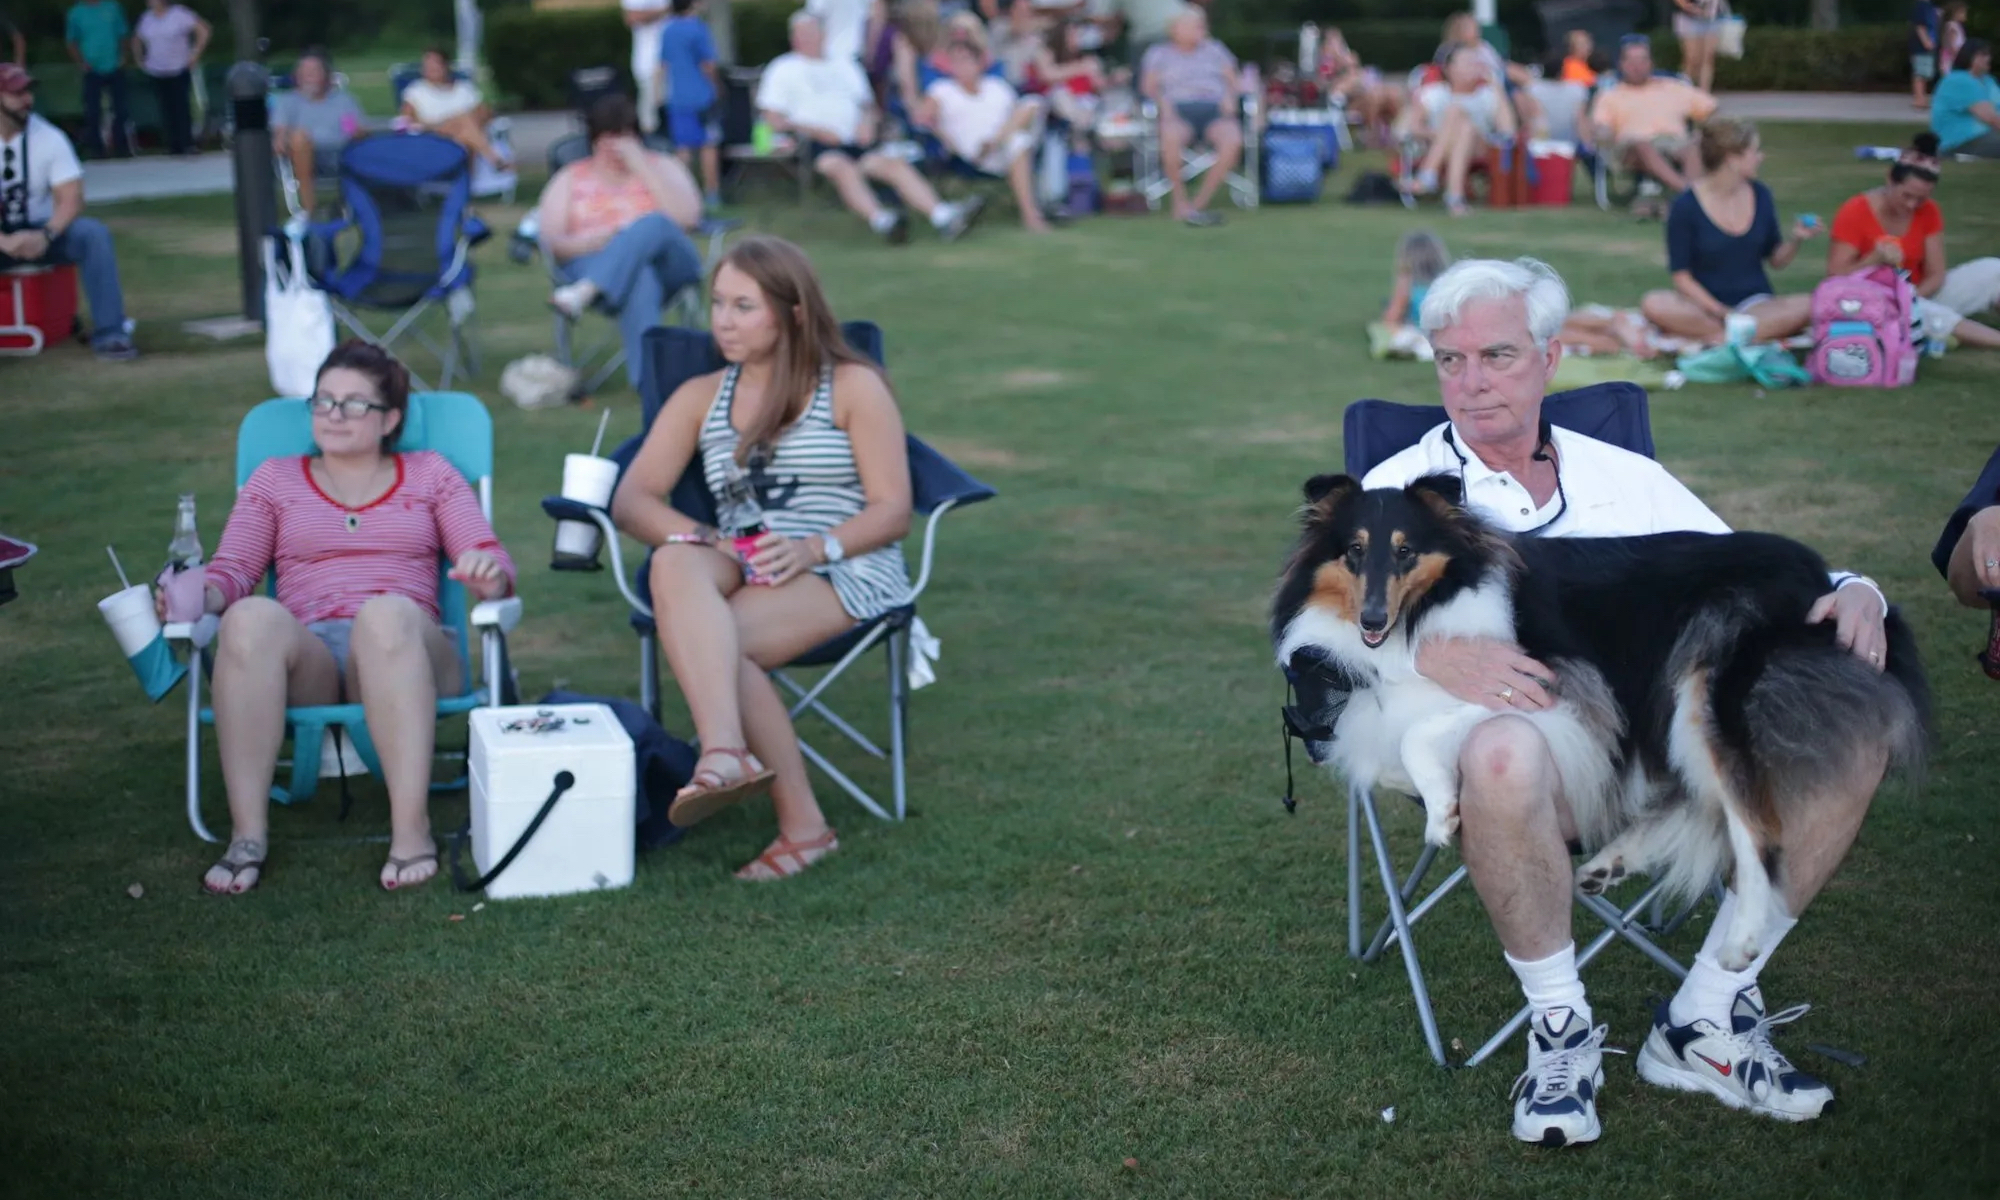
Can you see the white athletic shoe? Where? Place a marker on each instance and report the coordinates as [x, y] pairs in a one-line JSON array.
[[1738, 1066], [1555, 1099]]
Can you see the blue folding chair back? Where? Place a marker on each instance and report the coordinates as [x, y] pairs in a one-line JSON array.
[[453, 424], [403, 241], [674, 356], [1373, 431]]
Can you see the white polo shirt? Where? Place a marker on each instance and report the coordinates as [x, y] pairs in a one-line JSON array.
[[821, 93], [1609, 492]]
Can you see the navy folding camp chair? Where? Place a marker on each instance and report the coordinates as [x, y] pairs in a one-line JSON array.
[[402, 243], [1372, 431], [673, 356]]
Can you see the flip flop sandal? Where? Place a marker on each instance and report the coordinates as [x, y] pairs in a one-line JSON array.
[[236, 866], [785, 858], [697, 801], [403, 864]]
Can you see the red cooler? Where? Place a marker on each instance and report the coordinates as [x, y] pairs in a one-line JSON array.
[[37, 307], [1554, 174]]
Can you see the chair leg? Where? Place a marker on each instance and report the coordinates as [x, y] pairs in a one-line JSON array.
[[1353, 871], [649, 674], [194, 749], [1408, 946], [898, 689]]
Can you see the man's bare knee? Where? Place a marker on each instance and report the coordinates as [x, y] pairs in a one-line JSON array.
[[1505, 762], [254, 627], [388, 624]]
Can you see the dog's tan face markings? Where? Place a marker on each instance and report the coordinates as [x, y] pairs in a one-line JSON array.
[[1337, 589], [1417, 577]]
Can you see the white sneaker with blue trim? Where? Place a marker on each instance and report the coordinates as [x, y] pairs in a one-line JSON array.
[[1738, 1066], [1555, 1099]]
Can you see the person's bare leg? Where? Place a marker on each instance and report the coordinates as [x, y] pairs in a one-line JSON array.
[[467, 131], [1676, 315], [1659, 166], [1514, 830], [774, 626], [1448, 127], [691, 590], [1464, 143], [264, 660], [398, 663], [1781, 316], [1174, 137], [1976, 336], [299, 149], [1815, 846], [1225, 137], [904, 179], [1599, 335], [845, 176], [1021, 181], [711, 169]]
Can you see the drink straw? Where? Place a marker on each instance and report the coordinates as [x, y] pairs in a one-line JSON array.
[[116, 567], [601, 423]]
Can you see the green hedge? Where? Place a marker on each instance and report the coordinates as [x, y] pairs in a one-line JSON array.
[[1863, 58], [290, 24]]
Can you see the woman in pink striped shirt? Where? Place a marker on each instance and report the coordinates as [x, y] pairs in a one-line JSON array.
[[354, 532]]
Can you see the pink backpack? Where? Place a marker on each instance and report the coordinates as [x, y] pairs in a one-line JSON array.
[[1862, 328]]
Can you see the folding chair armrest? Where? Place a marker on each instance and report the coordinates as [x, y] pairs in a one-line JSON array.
[[563, 509], [930, 548], [178, 631], [499, 615]]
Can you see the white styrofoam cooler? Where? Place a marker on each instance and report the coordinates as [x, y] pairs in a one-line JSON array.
[[587, 841]]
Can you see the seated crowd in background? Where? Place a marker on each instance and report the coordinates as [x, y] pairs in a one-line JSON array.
[[615, 223], [440, 102], [312, 121], [1192, 78], [827, 104], [1644, 119], [1965, 110], [1452, 120]]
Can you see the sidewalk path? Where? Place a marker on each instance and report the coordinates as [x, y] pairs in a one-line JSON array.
[[1890, 108], [157, 177]]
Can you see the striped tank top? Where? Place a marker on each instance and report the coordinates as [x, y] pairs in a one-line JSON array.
[[809, 485]]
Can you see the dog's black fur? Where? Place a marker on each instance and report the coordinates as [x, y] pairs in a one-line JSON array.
[[1704, 631]]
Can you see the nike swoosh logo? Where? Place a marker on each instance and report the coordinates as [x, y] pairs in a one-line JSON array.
[[1722, 1069]]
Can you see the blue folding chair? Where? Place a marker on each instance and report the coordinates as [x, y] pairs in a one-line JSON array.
[[1372, 431], [938, 486], [455, 425], [408, 234]]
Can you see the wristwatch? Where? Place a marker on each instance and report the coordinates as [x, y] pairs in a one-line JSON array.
[[830, 549]]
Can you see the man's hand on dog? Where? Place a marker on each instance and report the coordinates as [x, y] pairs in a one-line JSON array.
[[1857, 621], [1490, 673]]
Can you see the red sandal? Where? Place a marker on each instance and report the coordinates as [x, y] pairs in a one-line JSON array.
[[709, 793], [785, 858]]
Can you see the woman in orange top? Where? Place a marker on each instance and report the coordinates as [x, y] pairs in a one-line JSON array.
[[615, 224], [1899, 225], [1576, 68]]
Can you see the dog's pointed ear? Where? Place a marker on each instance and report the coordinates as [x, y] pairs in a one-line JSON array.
[[1448, 488], [1320, 487]]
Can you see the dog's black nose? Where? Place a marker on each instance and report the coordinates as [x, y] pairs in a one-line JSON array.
[[1374, 620]]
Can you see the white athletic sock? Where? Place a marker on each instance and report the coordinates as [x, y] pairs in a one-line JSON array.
[[1552, 982], [1709, 992], [944, 214], [573, 298], [883, 221]]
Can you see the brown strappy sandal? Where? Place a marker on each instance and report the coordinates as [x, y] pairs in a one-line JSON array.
[[785, 858], [709, 793]]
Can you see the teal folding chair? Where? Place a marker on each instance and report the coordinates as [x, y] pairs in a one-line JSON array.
[[455, 425]]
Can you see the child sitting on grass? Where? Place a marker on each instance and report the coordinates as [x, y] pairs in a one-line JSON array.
[[1420, 258]]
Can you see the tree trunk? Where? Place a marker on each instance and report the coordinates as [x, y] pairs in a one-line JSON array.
[[243, 19], [1826, 14]]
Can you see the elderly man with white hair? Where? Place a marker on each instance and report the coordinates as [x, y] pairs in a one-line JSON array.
[[1492, 326], [827, 103]]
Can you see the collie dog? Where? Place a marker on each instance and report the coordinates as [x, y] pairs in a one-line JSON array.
[[1696, 711]]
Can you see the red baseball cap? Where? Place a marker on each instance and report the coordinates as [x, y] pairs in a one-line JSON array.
[[15, 78]]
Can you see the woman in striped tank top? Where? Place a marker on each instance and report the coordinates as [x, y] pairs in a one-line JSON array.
[[815, 430], [354, 532]]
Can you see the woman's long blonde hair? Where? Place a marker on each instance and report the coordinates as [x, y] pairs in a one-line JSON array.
[[809, 338]]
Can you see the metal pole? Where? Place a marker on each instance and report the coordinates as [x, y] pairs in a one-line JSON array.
[[256, 179]]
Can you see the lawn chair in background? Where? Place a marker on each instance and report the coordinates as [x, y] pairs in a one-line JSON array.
[[1198, 159], [1617, 182], [457, 426], [408, 236], [488, 181], [674, 356], [1373, 430], [688, 307]]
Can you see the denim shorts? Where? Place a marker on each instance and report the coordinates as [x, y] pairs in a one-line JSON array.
[[1198, 114], [335, 636]]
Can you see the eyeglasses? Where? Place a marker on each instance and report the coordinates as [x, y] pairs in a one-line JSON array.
[[353, 407]]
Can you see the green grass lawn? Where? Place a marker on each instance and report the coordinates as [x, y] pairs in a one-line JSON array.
[[1098, 938]]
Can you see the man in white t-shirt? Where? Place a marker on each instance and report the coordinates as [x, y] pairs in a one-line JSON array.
[[646, 18], [1492, 327], [41, 212], [984, 121], [826, 103]]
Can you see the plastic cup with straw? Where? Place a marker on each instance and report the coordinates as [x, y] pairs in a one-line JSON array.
[[136, 626], [587, 479]]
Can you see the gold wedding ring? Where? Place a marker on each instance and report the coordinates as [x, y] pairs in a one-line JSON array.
[[1507, 694]]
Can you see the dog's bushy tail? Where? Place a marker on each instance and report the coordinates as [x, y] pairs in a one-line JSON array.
[[1810, 713]]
